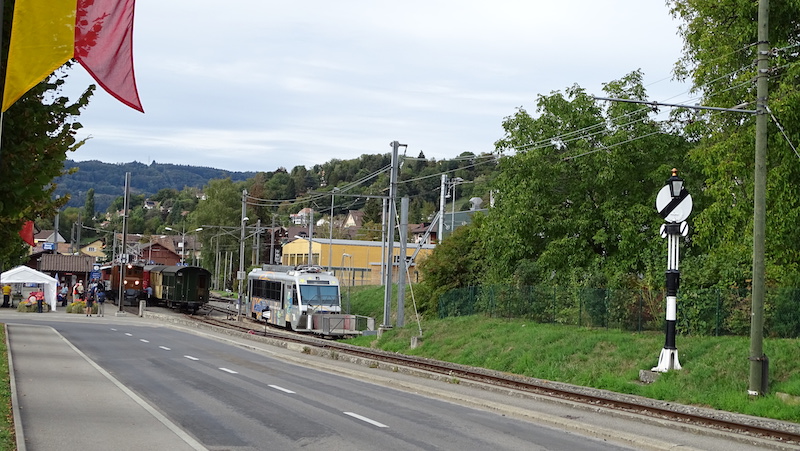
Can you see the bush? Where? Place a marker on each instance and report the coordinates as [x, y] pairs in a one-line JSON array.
[[80, 307], [32, 307]]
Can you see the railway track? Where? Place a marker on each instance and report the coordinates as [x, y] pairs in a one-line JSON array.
[[776, 431]]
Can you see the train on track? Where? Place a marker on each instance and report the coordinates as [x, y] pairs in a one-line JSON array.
[[185, 288], [302, 299]]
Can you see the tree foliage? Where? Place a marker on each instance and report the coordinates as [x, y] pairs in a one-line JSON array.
[[720, 53], [459, 261], [577, 196], [38, 131]]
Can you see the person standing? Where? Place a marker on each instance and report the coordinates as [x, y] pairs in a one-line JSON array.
[[6, 295], [90, 299], [101, 300], [78, 291], [63, 295]]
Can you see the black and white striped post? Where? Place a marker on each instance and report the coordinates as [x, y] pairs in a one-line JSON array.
[[674, 204]]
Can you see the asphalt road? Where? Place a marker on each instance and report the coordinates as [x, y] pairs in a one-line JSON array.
[[232, 398], [231, 393]]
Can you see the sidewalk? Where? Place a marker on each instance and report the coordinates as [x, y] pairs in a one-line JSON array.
[[50, 414]]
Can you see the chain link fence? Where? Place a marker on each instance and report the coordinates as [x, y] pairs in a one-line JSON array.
[[708, 311]]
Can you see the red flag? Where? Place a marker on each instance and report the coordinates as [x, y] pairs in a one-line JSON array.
[[104, 46], [47, 33], [27, 233]]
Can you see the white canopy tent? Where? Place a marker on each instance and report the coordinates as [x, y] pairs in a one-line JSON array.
[[24, 274]]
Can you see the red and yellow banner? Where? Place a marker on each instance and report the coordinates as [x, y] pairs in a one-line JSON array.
[[45, 34]]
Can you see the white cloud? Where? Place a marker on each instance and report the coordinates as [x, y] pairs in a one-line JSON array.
[[259, 84]]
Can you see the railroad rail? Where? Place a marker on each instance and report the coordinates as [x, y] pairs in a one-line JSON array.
[[773, 430]]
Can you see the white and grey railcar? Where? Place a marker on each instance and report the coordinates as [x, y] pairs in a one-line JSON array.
[[303, 299]]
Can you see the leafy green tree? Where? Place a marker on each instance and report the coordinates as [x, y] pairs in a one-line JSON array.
[[372, 211], [460, 260], [38, 131], [720, 49], [88, 209], [577, 196], [220, 209]]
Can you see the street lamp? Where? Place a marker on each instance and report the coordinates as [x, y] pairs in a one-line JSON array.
[[454, 183], [241, 275], [330, 243], [675, 184], [183, 240], [194, 247], [150, 249]]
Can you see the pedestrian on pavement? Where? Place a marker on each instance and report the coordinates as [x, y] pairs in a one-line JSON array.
[[78, 291], [101, 301], [6, 295], [90, 299], [63, 295]]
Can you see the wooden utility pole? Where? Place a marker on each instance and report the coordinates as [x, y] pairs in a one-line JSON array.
[[758, 361]]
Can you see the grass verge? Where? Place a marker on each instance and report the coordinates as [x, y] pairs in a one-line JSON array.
[[7, 440], [715, 369]]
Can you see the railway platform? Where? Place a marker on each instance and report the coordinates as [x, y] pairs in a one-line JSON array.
[[91, 412]]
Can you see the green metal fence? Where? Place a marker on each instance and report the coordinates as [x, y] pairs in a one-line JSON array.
[[708, 311]]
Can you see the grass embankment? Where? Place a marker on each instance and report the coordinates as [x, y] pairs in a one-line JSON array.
[[715, 369], [7, 440]]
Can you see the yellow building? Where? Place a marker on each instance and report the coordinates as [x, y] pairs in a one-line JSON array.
[[95, 249], [353, 262]]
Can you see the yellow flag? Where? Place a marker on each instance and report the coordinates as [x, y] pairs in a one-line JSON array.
[[42, 39]]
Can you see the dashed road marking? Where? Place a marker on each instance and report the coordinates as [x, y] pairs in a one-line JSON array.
[[195, 358], [229, 371], [285, 390], [168, 349], [365, 419]]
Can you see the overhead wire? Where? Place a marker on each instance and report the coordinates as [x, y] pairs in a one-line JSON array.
[[602, 126]]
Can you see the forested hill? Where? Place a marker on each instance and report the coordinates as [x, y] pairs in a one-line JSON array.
[[108, 179]]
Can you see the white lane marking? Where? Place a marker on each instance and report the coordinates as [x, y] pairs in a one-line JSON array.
[[229, 371], [148, 341], [285, 390], [365, 419], [116, 329], [195, 358], [130, 334], [168, 349]]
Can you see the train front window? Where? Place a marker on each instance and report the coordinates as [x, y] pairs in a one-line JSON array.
[[319, 294]]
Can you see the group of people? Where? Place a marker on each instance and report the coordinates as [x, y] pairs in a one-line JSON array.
[[95, 293]]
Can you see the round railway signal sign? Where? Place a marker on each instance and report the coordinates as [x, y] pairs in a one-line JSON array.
[[673, 209]]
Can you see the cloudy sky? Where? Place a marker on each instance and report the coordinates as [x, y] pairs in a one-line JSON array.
[[253, 85]]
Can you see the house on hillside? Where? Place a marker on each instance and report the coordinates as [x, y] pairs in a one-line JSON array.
[[418, 232], [95, 249], [354, 219], [302, 216], [154, 249]]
